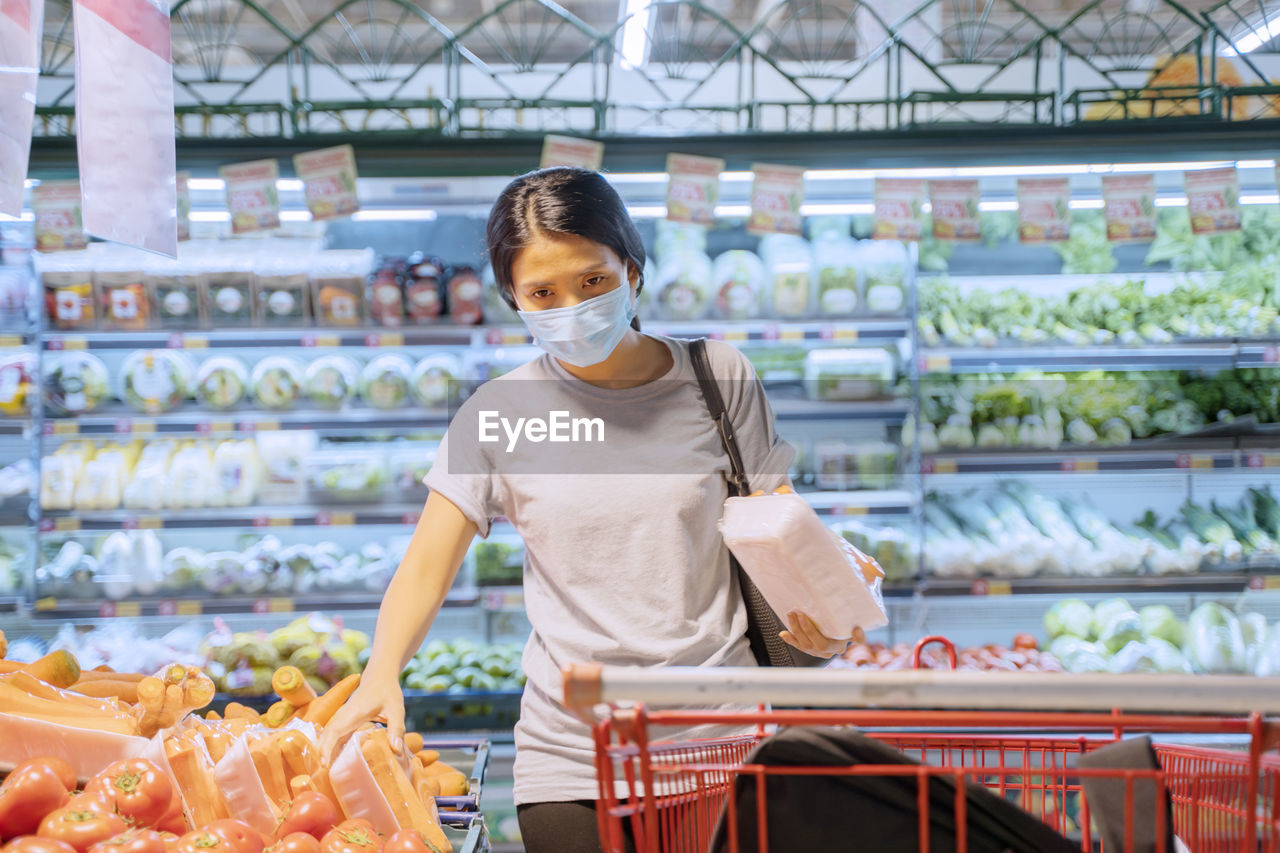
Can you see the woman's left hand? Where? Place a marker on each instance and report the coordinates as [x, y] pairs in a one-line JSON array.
[[805, 635]]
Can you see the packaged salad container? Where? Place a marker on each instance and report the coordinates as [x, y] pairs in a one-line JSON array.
[[121, 283], [75, 382], [228, 289], [67, 281], [740, 281], [331, 381], [347, 474], [222, 382], [835, 260], [176, 287], [338, 280], [156, 380], [277, 382], [849, 374], [281, 290], [434, 382], [683, 286], [884, 265], [789, 261], [384, 382]]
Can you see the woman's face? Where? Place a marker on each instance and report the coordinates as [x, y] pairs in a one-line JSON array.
[[562, 270]]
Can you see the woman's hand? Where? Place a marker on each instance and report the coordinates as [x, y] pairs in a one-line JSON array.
[[374, 699], [806, 637]]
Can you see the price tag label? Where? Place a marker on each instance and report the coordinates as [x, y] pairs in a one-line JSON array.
[[335, 519], [1130, 205], [1079, 465], [1194, 460], [735, 335], [142, 426], [954, 206], [128, 609], [107, 610], [515, 338], [937, 363], [252, 197], [326, 340], [1264, 582], [1044, 210], [44, 605], [150, 522], [411, 517], [329, 181], [777, 197], [792, 334], [75, 343], [66, 525], [1213, 200], [385, 339], [279, 521], [66, 428], [899, 209], [846, 333], [10, 341], [222, 426], [190, 608], [279, 605], [167, 607], [945, 466], [195, 342]]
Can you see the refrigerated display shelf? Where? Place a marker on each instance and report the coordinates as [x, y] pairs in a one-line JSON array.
[[258, 517], [868, 502], [1205, 582], [14, 427], [262, 338], [197, 603], [889, 410], [1003, 359], [10, 603], [1083, 460], [231, 423], [746, 331]]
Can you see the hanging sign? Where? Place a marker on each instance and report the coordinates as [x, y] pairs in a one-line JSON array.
[[1130, 204], [777, 195], [329, 181], [59, 225], [251, 195], [693, 187], [184, 206], [20, 22], [955, 210], [1213, 200], [899, 209], [1044, 210], [569, 151]]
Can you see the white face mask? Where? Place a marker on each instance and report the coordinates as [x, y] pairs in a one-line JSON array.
[[586, 333]]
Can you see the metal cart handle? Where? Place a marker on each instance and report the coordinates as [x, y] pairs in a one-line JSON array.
[[588, 685]]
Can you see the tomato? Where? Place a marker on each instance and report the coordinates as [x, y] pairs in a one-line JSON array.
[[239, 835], [1023, 642], [409, 841], [140, 790], [200, 841], [36, 844], [57, 765], [81, 828], [174, 821], [310, 812], [296, 842], [133, 841], [28, 794], [352, 836]]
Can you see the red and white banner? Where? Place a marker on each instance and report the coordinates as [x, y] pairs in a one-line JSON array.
[[1130, 203], [59, 225], [124, 122], [693, 188], [954, 209], [899, 209], [777, 194], [570, 151], [329, 181], [252, 196], [1213, 200], [1044, 210], [20, 22]]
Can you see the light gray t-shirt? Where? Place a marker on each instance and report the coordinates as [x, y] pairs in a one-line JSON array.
[[624, 562]]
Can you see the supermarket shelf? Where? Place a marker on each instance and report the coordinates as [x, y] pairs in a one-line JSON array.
[[855, 503], [1260, 354], [196, 603], [203, 422], [1085, 460], [14, 427], [1205, 582], [260, 517], [747, 331], [249, 338], [893, 410], [10, 603], [1073, 358]]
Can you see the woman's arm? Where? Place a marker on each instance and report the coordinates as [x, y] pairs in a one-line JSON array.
[[409, 606]]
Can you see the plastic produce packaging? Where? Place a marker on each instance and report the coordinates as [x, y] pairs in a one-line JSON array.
[[848, 374], [122, 290], [156, 380], [282, 455], [75, 382], [740, 281], [466, 297], [338, 285], [789, 260], [176, 286], [277, 382], [281, 290], [384, 382], [67, 279], [434, 380], [799, 564], [683, 286], [422, 288], [221, 382], [347, 474], [884, 271], [331, 380], [386, 296], [835, 257], [228, 287]]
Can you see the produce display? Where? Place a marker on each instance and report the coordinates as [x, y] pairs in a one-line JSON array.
[[683, 288], [342, 475], [320, 648], [849, 374], [462, 665], [157, 380], [1114, 637], [181, 793], [331, 381], [221, 382], [135, 563], [1013, 531], [434, 381], [75, 383], [1023, 655], [740, 284], [384, 382], [277, 382]]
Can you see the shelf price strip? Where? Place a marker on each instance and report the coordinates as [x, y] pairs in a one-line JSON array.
[[991, 587]]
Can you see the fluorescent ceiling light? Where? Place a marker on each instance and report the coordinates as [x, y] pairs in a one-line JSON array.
[[647, 211], [636, 177], [733, 210], [1264, 198], [736, 176], [837, 209], [1255, 164], [289, 184], [1255, 38], [295, 216], [1086, 204], [997, 206], [25, 217], [1173, 201], [1163, 167], [210, 216], [407, 214], [205, 184], [634, 52], [29, 183]]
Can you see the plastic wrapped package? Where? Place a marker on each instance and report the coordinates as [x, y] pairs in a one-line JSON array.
[[221, 382], [75, 382], [849, 374], [835, 465], [236, 472], [338, 280], [228, 288], [363, 793], [101, 483], [423, 288], [156, 380], [410, 463], [835, 260], [146, 489], [740, 280], [277, 382], [789, 262], [17, 381], [176, 288], [121, 283], [190, 481], [889, 546], [884, 265], [466, 296], [282, 455], [386, 294], [877, 463], [799, 564], [434, 381], [87, 750], [347, 474], [331, 381], [241, 786], [675, 237], [683, 286], [67, 281], [496, 309], [281, 290], [384, 382]]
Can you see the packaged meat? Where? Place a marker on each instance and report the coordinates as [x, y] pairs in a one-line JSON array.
[[466, 297], [384, 382], [423, 283], [740, 283], [849, 374], [331, 381], [222, 382], [799, 564], [338, 284], [156, 380], [277, 382], [281, 290], [67, 280]]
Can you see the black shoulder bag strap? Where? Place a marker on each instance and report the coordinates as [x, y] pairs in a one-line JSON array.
[[763, 624]]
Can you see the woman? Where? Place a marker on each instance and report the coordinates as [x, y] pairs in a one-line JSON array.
[[624, 562]]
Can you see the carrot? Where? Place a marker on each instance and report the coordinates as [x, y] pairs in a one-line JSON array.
[[236, 711], [59, 668], [320, 779], [174, 673], [108, 675], [299, 785], [300, 757], [413, 740], [151, 694], [428, 756], [270, 766], [321, 709], [44, 690], [200, 792], [291, 685], [17, 701], [453, 783], [217, 743], [4, 644], [425, 785], [406, 805], [8, 666], [213, 715], [102, 667], [125, 691], [198, 692], [278, 714]]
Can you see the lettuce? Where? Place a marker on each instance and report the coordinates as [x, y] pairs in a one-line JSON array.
[[1215, 642]]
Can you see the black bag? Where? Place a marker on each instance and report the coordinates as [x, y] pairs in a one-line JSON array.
[[877, 813], [763, 625]]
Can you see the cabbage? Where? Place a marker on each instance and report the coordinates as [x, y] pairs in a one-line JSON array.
[[1087, 662], [1066, 647], [1136, 656], [1103, 613], [1268, 663], [1159, 621], [1168, 658], [1253, 629], [1215, 643], [1123, 629], [1070, 617]]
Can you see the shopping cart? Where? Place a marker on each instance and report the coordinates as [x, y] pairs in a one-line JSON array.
[[1019, 734]]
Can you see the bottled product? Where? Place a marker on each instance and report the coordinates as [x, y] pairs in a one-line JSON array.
[[466, 297], [386, 299], [422, 288]]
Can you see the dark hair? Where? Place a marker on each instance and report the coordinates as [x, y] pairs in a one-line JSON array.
[[560, 200]]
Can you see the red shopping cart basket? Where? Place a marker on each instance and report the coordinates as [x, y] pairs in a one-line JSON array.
[[1019, 735]]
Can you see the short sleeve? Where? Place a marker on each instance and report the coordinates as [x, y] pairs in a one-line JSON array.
[[464, 474], [766, 458]]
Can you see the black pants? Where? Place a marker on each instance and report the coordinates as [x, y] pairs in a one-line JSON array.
[[562, 827]]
